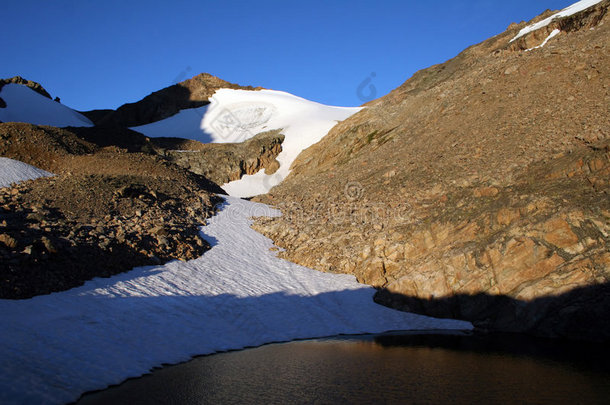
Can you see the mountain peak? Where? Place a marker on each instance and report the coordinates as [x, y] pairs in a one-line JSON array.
[[164, 103]]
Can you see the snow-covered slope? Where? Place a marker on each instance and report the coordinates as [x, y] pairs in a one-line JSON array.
[[14, 171], [186, 124], [568, 11], [238, 294], [236, 115], [25, 105]]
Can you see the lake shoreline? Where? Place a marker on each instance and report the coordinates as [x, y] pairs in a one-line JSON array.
[[517, 347]]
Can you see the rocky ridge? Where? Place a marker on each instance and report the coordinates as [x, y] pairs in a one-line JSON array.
[[478, 189], [164, 103]]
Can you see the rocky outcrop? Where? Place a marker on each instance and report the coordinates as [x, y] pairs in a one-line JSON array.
[[58, 232], [225, 162], [583, 20], [478, 189], [164, 103]]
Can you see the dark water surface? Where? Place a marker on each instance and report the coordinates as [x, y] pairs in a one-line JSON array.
[[392, 368]]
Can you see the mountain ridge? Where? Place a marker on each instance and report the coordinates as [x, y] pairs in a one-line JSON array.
[[164, 103], [483, 176]]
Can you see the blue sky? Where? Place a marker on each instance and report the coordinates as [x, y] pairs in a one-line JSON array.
[[96, 54]]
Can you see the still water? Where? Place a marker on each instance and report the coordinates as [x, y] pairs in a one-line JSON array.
[[390, 368]]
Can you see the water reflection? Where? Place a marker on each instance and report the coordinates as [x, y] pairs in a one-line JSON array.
[[392, 368]]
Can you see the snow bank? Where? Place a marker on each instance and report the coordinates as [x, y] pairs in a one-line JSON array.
[[25, 105], [568, 11], [14, 171], [238, 294], [237, 115]]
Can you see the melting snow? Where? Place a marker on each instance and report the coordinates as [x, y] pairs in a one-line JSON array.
[[573, 9], [14, 171], [238, 294], [25, 105]]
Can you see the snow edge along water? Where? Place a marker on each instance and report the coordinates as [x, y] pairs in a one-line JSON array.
[[239, 294]]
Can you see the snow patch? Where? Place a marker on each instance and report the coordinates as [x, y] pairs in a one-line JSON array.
[[238, 115], [235, 115], [25, 105], [238, 294], [237, 122], [554, 33], [13, 171], [568, 11]]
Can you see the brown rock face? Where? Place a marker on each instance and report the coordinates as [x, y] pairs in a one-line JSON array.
[[479, 189], [225, 162], [164, 103], [586, 19]]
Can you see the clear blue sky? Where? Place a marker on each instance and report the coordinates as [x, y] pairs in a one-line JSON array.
[[101, 54]]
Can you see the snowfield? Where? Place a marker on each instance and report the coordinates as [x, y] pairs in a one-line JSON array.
[[185, 124], [14, 171], [568, 11], [238, 294], [25, 105], [237, 115]]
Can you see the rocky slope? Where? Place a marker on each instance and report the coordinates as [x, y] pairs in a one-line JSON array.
[[164, 103], [106, 211], [478, 189]]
